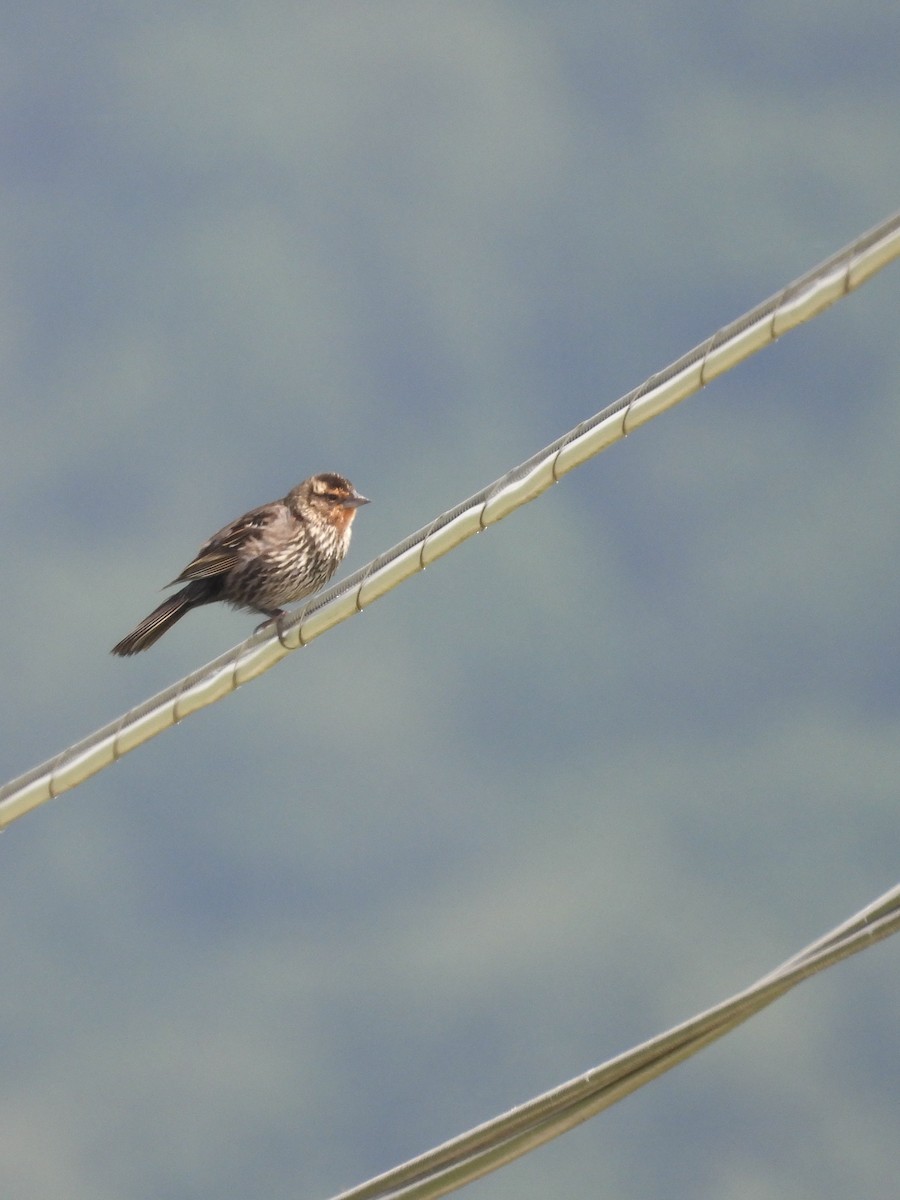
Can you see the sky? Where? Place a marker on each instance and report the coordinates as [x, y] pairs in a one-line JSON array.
[[588, 775]]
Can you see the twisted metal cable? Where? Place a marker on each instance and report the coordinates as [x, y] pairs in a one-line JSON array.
[[809, 295], [510, 1135]]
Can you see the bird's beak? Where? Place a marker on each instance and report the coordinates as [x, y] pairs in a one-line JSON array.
[[356, 501]]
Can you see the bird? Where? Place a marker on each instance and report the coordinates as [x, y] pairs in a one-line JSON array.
[[271, 556]]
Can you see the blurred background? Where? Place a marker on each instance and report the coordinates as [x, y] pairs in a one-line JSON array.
[[588, 775]]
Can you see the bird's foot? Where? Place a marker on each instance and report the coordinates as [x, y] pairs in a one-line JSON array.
[[274, 618]]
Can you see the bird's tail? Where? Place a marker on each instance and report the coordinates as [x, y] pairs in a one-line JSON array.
[[160, 620]]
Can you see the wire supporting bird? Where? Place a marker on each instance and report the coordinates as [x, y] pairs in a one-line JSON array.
[[271, 556]]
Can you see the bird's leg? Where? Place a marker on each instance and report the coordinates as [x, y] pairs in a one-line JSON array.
[[272, 615], [277, 621]]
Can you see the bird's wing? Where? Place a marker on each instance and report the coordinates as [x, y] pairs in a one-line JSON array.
[[223, 550]]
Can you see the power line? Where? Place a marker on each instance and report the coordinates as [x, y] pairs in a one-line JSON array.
[[813, 292], [510, 1135]]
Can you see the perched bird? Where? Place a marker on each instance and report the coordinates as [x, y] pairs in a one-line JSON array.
[[271, 556]]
